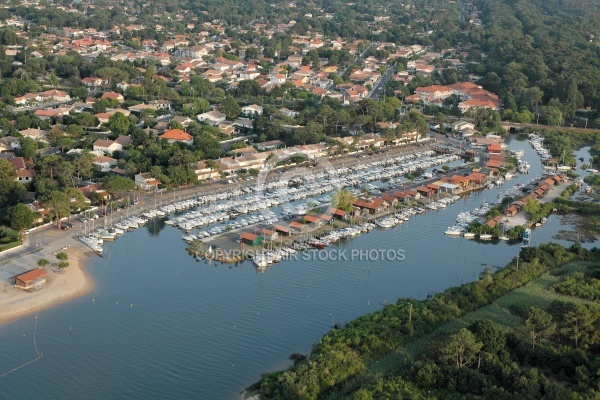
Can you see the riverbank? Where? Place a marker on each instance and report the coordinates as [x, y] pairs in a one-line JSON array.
[[408, 344], [62, 284]]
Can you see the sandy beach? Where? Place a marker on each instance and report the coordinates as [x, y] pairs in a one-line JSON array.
[[62, 285]]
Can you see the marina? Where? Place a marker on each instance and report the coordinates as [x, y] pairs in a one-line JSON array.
[[204, 329]]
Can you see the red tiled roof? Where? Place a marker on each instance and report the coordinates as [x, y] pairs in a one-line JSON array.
[[494, 147], [283, 229], [297, 225], [311, 219], [249, 236], [401, 195], [338, 212], [494, 164], [32, 275], [176, 134]]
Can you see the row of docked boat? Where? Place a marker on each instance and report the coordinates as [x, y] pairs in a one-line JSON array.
[[266, 258], [537, 142], [96, 237], [441, 203], [460, 230], [316, 187]]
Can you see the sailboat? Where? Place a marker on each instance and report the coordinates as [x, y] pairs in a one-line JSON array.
[[526, 238], [563, 167], [503, 236], [260, 260]]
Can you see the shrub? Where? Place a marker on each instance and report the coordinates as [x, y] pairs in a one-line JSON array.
[[62, 256], [63, 264], [42, 262]]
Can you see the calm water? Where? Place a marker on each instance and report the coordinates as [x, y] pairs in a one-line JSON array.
[[162, 325]]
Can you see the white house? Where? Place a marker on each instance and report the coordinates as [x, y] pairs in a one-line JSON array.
[[55, 95], [460, 126], [252, 109], [277, 79], [107, 146], [160, 104], [104, 163], [243, 123], [212, 117]]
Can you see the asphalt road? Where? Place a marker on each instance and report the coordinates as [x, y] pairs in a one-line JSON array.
[[381, 82]]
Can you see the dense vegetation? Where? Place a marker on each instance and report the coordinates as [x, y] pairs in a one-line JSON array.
[[410, 350]]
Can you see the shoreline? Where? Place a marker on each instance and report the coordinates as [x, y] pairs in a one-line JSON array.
[[61, 287]]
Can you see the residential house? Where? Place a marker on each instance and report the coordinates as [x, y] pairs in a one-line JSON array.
[[55, 95], [177, 135], [33, 133], [270, 145], [107, 146], [277, 79], [184, 121], [204, 172], [160, 104], [97, 188], [226, 129], [113, 96], [94, 82], [243, 123], [53, 112], [123, 140], [251, 110], [24, 174], [138, 108], [213, 118], [244, 151], [28, 99], [104, 163], [391, 200], [146, 182], [289, 113], [9, 144]]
